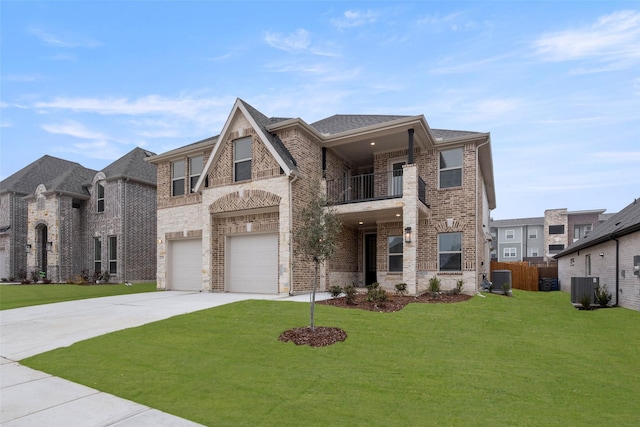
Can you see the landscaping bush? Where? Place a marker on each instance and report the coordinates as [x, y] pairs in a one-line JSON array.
[[458, 289], [434, 285], [401, 289], [585, 302], [350, 294], [603, 297], [335, 291], [376, 295]]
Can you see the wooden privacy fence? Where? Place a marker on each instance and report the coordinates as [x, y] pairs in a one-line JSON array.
[[523, 275]]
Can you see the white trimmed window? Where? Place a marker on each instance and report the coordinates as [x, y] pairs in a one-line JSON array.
[[242, 159], [509, 252], [395, 253], [177, 178], [195, 170], [450, 251], [533, 234], [100, 197], [113, 254], [509, 234], [451, 168], [534, 252]]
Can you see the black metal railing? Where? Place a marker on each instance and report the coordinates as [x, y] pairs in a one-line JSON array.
[[370, 186]]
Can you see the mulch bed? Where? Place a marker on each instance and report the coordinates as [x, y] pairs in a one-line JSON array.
[[323, 336]]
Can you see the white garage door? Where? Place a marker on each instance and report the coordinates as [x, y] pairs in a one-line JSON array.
[[185, 265], [252, 263]]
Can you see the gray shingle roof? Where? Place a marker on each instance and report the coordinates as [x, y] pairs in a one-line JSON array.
[[132, 165], [56, 174], [339, 123], [264, 121], [451, 134], [624, 222]]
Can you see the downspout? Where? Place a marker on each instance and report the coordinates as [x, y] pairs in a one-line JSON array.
[[59, 240], [475, 192], [291, 181], [124, 232], [617, 268]]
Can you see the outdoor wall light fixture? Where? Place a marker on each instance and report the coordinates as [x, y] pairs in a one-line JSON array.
[[49, 246], [28, 248], [407, 234], [602, 254]]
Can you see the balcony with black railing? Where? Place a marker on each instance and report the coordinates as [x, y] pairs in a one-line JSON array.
[[370, 187]]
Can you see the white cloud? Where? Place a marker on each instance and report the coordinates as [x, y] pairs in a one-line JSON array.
[[355, 18], [21, 78], [297, 41], [616, 157], [72, 128], [184, 106], [65, 41], [614, 37]]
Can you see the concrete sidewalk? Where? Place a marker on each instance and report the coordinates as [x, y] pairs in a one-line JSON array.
[[33, 398]]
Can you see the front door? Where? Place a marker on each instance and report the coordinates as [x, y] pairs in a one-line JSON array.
[[370, 255]]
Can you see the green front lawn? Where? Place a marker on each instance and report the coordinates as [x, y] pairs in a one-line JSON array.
[[528, 360], [14, 296]]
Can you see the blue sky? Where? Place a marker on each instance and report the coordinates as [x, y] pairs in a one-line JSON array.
[[557, 84]]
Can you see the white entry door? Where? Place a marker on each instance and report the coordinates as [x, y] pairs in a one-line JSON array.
[[252, 263]]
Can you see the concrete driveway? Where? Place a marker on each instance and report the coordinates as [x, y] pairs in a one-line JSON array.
[[33, 398]]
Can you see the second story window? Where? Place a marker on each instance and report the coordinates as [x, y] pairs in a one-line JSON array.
[[242, 159], [100, 197], [195, 170], [451, 168], [177, 178], [509, 234]]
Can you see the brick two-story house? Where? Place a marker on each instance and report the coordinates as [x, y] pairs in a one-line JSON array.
[[62, 219], [414, 202]]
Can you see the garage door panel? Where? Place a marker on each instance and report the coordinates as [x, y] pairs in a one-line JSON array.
[[185, 265], [252, 263]]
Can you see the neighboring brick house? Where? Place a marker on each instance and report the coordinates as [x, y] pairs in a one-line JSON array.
[[612, 254], [63, 219], [414, 202]]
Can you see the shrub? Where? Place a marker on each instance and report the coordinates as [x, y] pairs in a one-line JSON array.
[[458, 289], [350, 294], [401, 289], [376, 295], [603, 296], [373, 285], [506, 288], [434, 285], [585, 302], [106, 276], [335, 291]]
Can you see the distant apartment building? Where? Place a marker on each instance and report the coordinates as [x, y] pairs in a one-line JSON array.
[[520, 239], [539, 239]]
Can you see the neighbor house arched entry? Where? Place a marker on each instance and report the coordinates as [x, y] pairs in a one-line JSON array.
[[41, 247]]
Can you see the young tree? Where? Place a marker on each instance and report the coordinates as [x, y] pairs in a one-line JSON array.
[[317, 236]]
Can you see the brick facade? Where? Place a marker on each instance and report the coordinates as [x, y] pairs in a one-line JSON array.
[[272, 201]]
